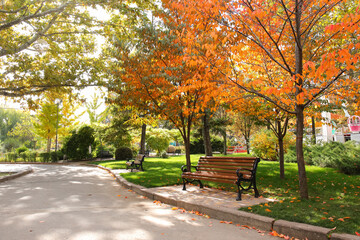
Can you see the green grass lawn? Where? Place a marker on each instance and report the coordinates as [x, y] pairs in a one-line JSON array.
[[333, 202]]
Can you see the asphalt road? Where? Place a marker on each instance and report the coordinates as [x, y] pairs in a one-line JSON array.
[[73, 202]]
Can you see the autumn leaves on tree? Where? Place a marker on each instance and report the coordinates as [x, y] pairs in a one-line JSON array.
[[287, 53]]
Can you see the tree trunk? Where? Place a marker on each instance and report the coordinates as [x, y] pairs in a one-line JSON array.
[[313, 138], [300, 152], [281, 149], [48, 147], [142, 141], [187, 152], [225, 143], [281, 157], [206, 134], [247, 146], [299, 108]]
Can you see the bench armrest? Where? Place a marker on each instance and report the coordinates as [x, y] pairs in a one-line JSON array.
[[183, 168], [247, 169], [238, 173]]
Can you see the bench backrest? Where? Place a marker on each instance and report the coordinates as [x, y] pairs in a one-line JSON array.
[[139, 158], [228, 165]]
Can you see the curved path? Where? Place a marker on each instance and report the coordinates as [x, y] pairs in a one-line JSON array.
[[73, 202]]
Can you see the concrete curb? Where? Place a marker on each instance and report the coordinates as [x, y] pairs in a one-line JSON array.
[[16, 175], [292, 229]]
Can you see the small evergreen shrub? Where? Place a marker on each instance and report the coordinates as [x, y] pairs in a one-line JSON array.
[[123, 153], [54, 156], [11, 156], [45, 157], [24, 156], [342, 156], [197, 145], [21, 150], [164, 155], [32, 156]]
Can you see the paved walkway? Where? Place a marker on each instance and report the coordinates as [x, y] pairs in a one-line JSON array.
[[73, 202]]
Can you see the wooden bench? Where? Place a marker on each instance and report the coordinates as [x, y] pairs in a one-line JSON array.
[[137, 163], [224, 170]]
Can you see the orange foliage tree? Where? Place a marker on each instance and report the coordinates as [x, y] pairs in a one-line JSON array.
[[288, 52], [151, 74]]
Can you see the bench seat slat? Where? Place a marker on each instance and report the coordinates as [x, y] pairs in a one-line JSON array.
[[226, 159], [222, 167], [229, 160]]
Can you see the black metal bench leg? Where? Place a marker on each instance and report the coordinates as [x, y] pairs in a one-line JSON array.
[[239, 196], [256, 191], [201, 185], [184, 185], [239, 192]]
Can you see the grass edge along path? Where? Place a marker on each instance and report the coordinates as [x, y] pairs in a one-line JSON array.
[[333, 202]]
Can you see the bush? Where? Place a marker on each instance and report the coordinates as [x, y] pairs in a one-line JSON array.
[[54, 156], [24, 156], [342, 156], [21, 149], [77, 145], [264, 144], [11, 156], [197, 145], [123, 153], [164, 155], [45, 157], [32, 156]]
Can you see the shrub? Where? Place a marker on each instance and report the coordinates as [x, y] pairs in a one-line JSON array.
[[77, 145], [32, 156], [164, 155], [197, 145], [344, 157], [45, 156], [21, 149], [11, 156], [123, 153], [263, 145], [54, 156], [24, 156]]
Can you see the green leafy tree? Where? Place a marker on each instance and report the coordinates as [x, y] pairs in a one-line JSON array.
[[158, 139], [46, 123], [24, 130], [8, 120]]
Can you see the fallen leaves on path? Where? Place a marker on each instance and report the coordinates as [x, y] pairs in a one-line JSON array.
[[226, 222]]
